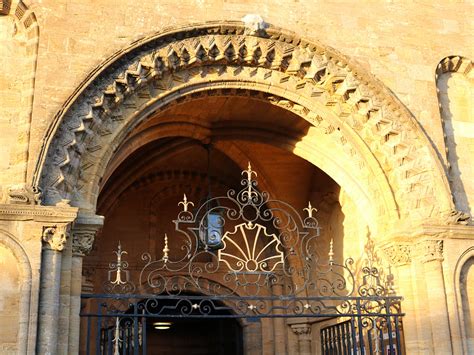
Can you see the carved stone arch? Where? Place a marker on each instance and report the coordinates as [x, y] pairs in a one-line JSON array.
[[9, 241], [453, 74], [355, 110], [464, 263]]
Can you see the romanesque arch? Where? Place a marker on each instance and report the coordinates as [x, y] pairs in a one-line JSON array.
[[384, 160], [463, 275], [454, 78]]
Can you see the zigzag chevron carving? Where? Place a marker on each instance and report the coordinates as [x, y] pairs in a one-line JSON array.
[[304, 77]]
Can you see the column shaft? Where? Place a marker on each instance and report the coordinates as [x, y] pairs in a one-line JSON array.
[[279, 331], [75, 307], [64, 299], [48, 316], [438, 308], [253, 338]]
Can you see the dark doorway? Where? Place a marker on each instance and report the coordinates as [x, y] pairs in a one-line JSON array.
[[195, 337]]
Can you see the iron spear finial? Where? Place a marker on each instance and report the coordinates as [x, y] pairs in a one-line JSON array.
[[185, 203]]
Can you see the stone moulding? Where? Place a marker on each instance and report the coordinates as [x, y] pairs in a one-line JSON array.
[[37, 213], [357, 109]]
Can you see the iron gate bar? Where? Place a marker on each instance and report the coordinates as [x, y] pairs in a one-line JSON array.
[[389, 304], [265, 263]]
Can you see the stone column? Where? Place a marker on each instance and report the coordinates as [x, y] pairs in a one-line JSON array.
[[54, 240], [64, 298], [279, 329], [83, 235], [430, 252], [253, 337], [303, 331], [400, 256]]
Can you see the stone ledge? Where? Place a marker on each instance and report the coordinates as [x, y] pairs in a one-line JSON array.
[[37, 213], [433, 231]]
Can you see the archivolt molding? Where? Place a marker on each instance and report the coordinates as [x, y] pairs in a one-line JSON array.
[[162, 68]]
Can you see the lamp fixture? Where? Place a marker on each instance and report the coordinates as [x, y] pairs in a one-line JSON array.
[[162, 325], [211, 226]]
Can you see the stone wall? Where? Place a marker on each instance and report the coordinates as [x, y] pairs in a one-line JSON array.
[[401, 44], [48, 48]]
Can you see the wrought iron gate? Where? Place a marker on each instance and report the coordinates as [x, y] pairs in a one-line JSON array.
[[245, 255]]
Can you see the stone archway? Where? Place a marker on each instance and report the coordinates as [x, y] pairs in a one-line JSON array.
[[22, 295], [374, 132]]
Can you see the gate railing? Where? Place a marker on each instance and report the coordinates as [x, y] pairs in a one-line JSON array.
[[245, 255]]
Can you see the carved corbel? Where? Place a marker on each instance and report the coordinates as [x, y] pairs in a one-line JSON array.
[[455, 217], [55, 237], [22, 194], [429, 250]]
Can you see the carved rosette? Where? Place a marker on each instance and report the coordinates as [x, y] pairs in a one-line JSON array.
[[398, 253], [55, 237], [429, 250], [82, 242]]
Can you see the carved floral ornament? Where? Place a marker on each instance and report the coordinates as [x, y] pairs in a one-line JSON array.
[[157, 70], [403, 253], [82, 242]]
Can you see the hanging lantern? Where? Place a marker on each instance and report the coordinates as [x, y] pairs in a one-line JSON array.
[[211, 227], [212, 224]]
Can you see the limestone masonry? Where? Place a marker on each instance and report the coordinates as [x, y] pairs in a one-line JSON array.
[[110, 111]]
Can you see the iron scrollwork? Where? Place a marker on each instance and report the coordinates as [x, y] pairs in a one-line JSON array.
[[268, 253]]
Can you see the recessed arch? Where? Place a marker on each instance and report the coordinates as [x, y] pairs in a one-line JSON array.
[[454, 80], [464, 265], [8, 241], [356, 113]]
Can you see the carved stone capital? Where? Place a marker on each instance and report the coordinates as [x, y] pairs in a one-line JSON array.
[[55, 237], [82, 242], [398, 253], [303, 330], [429, 250], [83, 233]]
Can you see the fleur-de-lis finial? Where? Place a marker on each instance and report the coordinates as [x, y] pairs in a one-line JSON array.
[[310, 209], [185, 203], [166, 250], [331, 251], [118, 278], [249, 172]]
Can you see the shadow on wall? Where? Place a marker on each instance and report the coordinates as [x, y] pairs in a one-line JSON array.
[[454, 85]]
